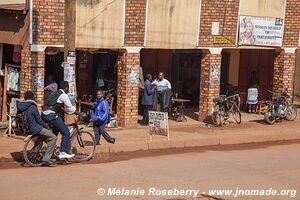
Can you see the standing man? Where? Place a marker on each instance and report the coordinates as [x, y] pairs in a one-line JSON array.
[[100, 117], [148, 98], [163, 92], [56, 105], [162, 83], [36, 125]]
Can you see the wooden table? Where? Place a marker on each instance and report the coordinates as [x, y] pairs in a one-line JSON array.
[[181, 117]]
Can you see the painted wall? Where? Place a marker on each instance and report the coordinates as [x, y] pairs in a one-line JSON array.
[[263, 8], [172, 24], [99, 24]]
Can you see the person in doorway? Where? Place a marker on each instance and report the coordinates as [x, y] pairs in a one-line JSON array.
[[163, 87], [36, 125], [100, 117], [50, 86], [57, 104], [252, 97], [148, 98]]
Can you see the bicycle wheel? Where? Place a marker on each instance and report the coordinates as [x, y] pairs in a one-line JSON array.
[[34, 150], [236, 113], [83, 145]]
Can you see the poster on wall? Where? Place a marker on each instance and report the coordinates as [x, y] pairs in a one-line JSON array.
[[133, 77], [260, 31], [215, 74], [36, 81], [69, 74]]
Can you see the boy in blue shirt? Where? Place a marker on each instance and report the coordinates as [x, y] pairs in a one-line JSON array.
[[100, 117]]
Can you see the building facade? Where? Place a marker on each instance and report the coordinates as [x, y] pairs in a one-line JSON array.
[[200, 45]]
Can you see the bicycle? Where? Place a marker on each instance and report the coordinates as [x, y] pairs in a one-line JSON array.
[[225, 107], [83, 145]]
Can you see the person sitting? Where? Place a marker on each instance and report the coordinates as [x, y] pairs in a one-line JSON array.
[[52, 113], [36, 125], [100, 117]]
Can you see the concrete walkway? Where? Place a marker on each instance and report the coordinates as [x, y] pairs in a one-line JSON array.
[[189, 134]]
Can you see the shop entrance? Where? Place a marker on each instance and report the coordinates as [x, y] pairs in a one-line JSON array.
[[96, 70], [261, 61], [54, 72], [236, 68], [180, 67]]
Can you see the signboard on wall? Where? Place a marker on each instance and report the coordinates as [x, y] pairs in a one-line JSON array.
[[69, 74], [158, 123], [260, 31], [221, 39]]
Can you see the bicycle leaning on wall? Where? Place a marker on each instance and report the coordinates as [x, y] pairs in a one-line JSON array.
[[226, 107]]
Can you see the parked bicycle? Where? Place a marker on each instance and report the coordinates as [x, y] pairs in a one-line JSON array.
[[225, 108], [279, 109], [83, 145]]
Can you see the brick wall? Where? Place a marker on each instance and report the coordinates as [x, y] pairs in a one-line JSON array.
[[48, 22], [127, 93], [284, 69], [292, 23], [135, 18], [208, 89], [226, 13], [32, 60]]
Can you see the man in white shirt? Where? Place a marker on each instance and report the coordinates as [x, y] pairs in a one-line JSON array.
[[161, 83], [56, 105], [163, 87]]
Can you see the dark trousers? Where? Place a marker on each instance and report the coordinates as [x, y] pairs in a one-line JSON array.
[[101, 130], [59, 126], [147, 108]]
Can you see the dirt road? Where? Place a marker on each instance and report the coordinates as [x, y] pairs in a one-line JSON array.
[[256, 167]]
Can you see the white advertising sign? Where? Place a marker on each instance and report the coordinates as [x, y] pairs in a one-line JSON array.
[[260, 31], [158, 123]]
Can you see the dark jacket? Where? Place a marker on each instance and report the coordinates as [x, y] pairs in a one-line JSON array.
[[34, 120], [101, 110], [148, 94]]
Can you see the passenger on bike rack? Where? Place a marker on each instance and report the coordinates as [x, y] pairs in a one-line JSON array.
[[52, 113], [36, 125]]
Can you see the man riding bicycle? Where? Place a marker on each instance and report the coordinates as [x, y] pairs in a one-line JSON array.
[[55, 106]]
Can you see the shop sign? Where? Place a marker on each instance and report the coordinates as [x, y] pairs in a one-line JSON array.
[[215, 73], [158, 123], [221, 40], [260, 31]]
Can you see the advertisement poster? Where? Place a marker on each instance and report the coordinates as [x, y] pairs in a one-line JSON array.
[[260, 31], [215, 73], [158, 123], [37, 81]]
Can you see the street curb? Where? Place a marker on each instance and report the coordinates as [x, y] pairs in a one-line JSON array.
[[202, 142]]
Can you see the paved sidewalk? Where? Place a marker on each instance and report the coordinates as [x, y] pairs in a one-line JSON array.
[[190, 134]]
